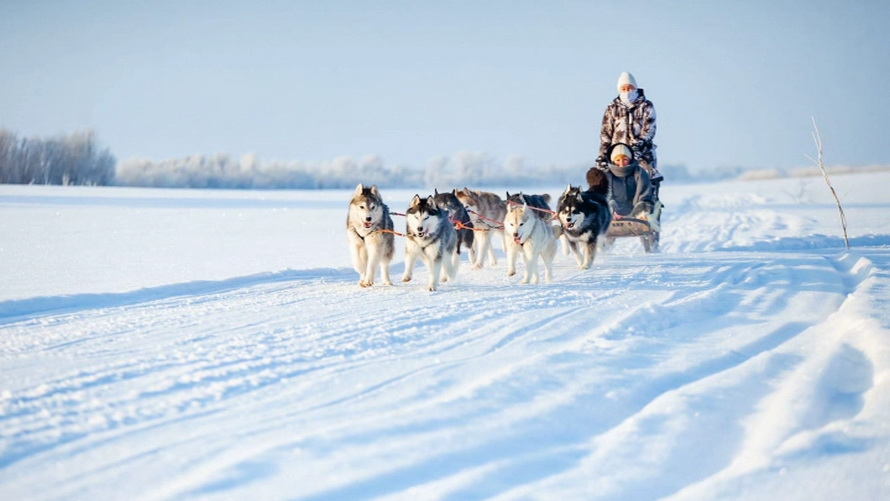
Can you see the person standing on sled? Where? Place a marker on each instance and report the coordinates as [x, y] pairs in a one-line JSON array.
[[630, 119]]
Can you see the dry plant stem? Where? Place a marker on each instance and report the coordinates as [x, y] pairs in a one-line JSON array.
[[819, 162]]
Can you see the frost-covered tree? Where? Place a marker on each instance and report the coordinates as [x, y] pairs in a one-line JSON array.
[[73, 159]]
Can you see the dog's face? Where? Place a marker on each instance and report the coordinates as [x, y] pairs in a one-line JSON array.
[[423, 216], [448, 201], [570, 212], [518, 224], [366, 207]]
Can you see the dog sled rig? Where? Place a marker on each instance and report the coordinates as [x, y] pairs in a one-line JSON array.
[[634, 225]]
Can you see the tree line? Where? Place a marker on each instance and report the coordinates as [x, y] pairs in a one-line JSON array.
[[74, 159], [77, 159], [473, 169]]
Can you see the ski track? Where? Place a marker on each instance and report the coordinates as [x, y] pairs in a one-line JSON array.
[[632, 354], [202, 383]]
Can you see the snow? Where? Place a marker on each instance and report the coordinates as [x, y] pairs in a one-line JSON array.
[[167, 344]]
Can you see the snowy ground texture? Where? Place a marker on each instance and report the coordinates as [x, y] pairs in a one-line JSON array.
[[184, 345]]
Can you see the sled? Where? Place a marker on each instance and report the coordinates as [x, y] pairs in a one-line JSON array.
[[635, 227]]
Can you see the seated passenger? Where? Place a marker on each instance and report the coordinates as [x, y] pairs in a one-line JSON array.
[[630, 188]]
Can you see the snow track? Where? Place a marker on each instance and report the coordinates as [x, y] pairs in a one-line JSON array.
[[716, 369]]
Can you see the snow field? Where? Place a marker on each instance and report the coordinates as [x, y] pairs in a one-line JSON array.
[[158, 344]]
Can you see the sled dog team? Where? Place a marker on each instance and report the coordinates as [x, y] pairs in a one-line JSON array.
[[439, 226]]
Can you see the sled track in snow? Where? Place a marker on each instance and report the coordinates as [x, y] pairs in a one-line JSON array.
[[15, 310], [615, 347]]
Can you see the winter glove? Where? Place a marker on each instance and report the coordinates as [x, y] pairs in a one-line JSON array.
[[601, 162]]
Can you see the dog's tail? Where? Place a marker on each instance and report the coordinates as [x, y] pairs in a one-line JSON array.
[[597, 181]]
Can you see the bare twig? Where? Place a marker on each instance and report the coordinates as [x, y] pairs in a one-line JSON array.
[[821, 164]]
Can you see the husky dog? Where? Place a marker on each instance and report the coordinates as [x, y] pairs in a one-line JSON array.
[[457, 213], [540, 205], [487, 211], [584, 216], [532, 236], [432, 237], [369, 231]]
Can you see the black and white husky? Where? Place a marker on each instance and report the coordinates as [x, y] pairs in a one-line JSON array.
[[459, 217], [369, 232], [431, 236], [584, 216], [532, 236]]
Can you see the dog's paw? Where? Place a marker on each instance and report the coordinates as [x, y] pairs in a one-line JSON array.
[[510, 273], [406, 278], [365, 283]]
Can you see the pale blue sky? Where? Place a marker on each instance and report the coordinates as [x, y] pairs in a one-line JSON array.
[[734, 83]]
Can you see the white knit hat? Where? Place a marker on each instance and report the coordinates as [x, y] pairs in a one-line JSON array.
[[618, 150], [626, 78]]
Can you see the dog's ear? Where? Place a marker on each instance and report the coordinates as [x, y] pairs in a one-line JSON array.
[[359, 189], [415, 201], [454, 192], [568, 189], [436, 192], [374, 190], [431, 202], [579, 197]]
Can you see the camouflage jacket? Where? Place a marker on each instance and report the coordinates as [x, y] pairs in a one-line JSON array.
[[632, 125]]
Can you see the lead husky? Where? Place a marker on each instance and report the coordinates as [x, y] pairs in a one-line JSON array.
[[369, 231], [532, 236], [432, 237], [584, 216], [487, 211]]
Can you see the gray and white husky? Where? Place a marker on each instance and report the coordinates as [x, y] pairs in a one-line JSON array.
[[531, 236], [369, 232], [487, 211], [431, 236], [584, 217]]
